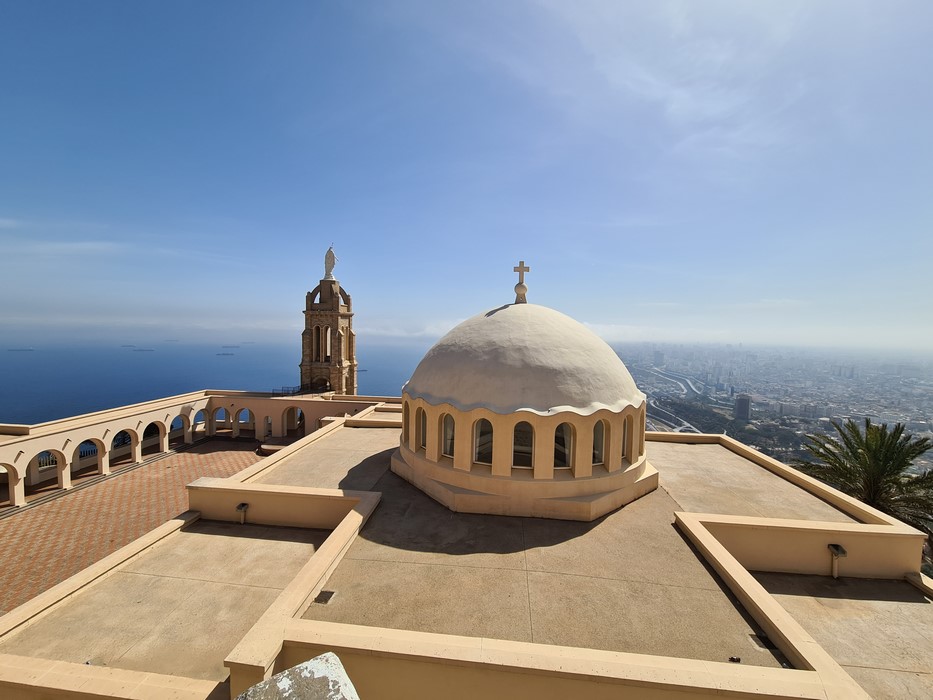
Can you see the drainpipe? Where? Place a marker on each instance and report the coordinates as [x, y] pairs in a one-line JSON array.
[[241, 509], [838, 551]]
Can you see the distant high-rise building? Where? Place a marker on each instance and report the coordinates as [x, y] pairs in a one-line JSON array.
[[743, 407]]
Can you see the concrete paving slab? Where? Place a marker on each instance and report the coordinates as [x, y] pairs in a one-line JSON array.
[[428, 598], [637, 543], [228, 553], [85, 629], [178, 608], [711, 479], [350, 458], [641, 618], [882, 684], [861, 622], [409, 526], [883, 629], [194, 638]]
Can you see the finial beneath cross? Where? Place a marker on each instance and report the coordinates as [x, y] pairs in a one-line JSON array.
[[521, 289]]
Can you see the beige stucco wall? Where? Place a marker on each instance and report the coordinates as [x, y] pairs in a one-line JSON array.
[[29, 678], [799, 547], [275, 416], [581, 491], [62, 438], [397, 664], [287, 506]]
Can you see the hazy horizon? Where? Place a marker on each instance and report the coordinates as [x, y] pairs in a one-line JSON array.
[[707, 172], [367, 342]]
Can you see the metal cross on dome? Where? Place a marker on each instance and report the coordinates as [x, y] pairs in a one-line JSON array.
[[521, 289]]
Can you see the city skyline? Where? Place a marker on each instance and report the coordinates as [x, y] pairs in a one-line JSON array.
[[671, 172]]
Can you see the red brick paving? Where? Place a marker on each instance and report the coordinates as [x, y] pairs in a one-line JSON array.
[[48, 543]]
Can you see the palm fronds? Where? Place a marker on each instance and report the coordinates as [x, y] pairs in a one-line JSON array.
[[871, 463]]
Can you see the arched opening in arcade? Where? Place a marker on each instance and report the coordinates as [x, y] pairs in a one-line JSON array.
[[245, 423], [293, 425], [176, 432], [153, 439], [88, 459], [123, 449], [223, 421], [199, 426], [46, 472], [7, 486]]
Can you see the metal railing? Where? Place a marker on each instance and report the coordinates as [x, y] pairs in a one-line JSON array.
[[295, 390]]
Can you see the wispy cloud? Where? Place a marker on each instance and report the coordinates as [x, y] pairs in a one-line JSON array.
[[31, 248], [39, 244], [714, 72], [432, 329], [622, 221], [767, 304], [714, 75], [633, 333]]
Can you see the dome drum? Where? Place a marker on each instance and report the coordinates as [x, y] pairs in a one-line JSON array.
[[583, 490], [605, 441]]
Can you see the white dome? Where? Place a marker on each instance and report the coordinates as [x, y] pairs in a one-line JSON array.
[[524, 357]]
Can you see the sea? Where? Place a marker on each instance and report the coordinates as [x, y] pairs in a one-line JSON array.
[[46, 382]]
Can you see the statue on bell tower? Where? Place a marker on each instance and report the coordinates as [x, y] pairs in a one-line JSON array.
[[330, 260]]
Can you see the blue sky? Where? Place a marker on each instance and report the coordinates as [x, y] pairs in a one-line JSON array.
[[757, 172]]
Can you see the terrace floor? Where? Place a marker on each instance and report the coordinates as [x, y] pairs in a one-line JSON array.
[[179, 608], [419, 566], [880, 632], [47, 543]]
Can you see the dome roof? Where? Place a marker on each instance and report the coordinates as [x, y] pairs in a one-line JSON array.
[[523, 357]]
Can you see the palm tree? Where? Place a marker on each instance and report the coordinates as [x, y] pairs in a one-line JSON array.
[[871, 464]]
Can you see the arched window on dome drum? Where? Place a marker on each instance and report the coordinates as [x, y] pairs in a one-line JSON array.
[[523, 445], [405, 423], [626, 440], [447, 435], [641, 434], [482, 442], [421, 428], [599, 442], [563, 446]]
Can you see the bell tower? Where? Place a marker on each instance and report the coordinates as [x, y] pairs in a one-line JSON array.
[[328, 343]]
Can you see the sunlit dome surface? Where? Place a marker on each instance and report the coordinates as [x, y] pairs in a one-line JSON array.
[[524, 357]]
